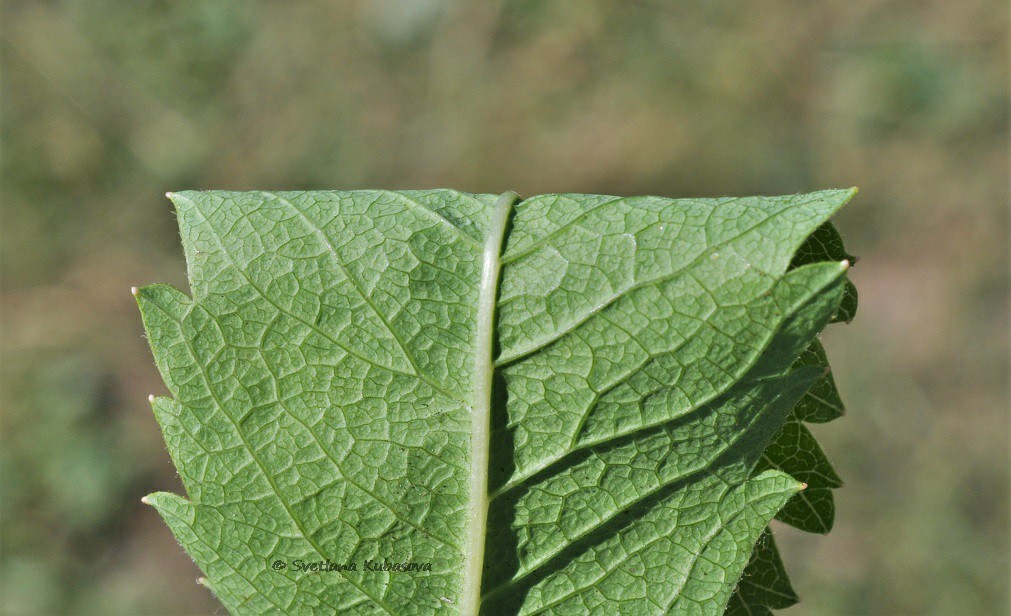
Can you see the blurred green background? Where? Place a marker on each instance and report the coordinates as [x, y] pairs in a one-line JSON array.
[[107, 105]]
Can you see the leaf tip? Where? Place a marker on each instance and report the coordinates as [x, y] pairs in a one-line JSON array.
[[150, 398], [146, 500], [134, 291]]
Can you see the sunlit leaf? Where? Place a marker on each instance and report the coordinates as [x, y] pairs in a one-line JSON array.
[[560, 405]]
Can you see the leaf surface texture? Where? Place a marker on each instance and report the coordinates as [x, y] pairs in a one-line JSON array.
[[645, 368]]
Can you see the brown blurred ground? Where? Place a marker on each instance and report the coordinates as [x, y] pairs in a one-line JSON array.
[[106, 105]]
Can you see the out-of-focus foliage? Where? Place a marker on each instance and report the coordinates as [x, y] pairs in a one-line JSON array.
[[107, 105]]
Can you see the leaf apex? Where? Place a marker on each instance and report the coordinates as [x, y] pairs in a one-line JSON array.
[[839, 197]]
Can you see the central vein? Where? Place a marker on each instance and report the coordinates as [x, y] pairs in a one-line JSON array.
[[480, 430]]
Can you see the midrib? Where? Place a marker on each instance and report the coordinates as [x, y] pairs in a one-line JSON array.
[[480, 431]]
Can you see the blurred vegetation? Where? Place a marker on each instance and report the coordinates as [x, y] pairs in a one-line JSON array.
[[107, 105]]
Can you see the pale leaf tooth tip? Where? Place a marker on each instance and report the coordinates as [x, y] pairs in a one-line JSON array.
[[202, 581], [145, 500], [135, 291], [150, 398], [846, 264], [171, 194], [803, 486]]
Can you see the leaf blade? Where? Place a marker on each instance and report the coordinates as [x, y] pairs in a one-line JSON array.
[[326, 387]]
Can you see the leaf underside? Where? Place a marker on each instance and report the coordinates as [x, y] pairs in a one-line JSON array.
[[652, 365]]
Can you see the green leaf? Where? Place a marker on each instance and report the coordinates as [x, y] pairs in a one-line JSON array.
[[821, 403], [794, 450], [556, 405], [765, 585], [825, 244]]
